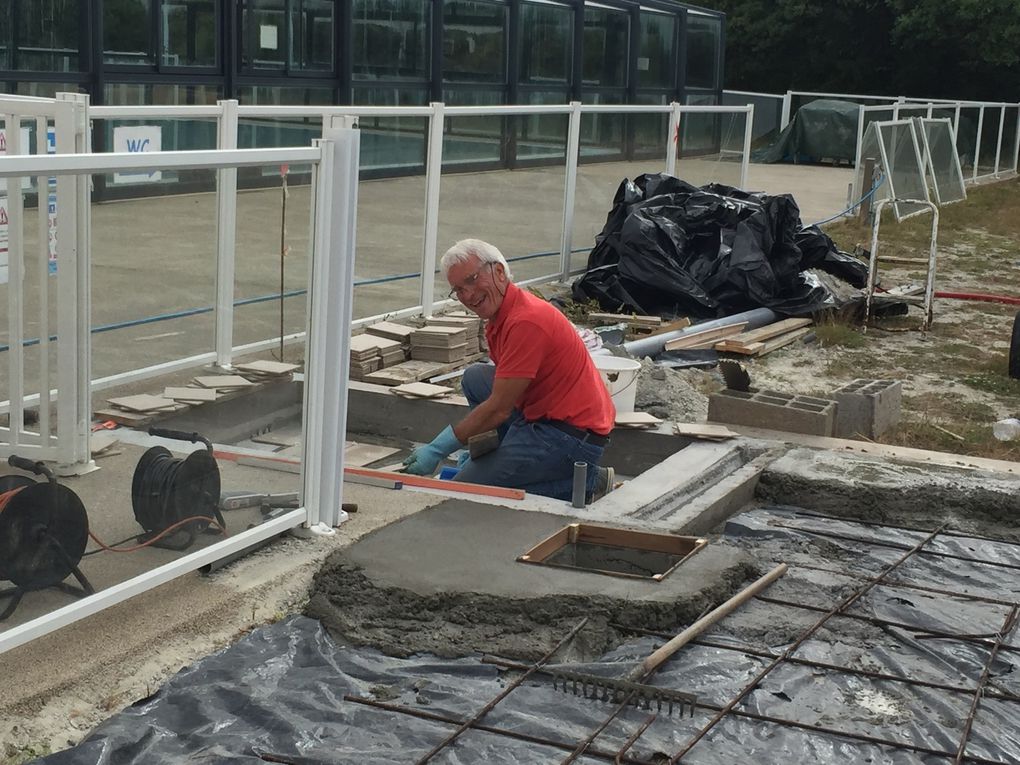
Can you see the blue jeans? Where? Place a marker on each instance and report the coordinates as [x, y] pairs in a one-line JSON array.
[[533, 456]]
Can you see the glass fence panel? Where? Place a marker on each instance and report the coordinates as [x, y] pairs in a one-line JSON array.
[[272, 256], [713, 148], [989, 140], [967, 139], [648, 131], [393, 144], [157, 255], [387, 266], [1007, 157], [768, 112], [470, 140], [519, 211], [602, 135], [542, 136]]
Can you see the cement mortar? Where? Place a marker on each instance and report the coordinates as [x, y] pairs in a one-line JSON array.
[[894, 493], [672, 394], [446, 582]]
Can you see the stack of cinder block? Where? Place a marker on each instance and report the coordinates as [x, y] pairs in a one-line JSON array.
[[471, 325], [446, 344], [393, 331], [365, 356]]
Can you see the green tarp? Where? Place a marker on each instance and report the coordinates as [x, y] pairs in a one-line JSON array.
[[820, 130]]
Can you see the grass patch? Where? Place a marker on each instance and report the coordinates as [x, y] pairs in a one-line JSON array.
[[833, 334], [993, 377]]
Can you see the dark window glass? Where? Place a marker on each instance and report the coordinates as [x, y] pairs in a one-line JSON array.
[[391, 39], [606, 35], [5, 34], [189, 32], [655, 55], [546, 39], [312, 35], [474, 41], [127, 32], [302, 42], [704, 37], [47, 35]]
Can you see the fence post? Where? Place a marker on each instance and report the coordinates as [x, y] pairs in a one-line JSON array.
[[433, 176], [570, 188], [15, 285], [673, 139], [226, 234], [860, 136], [784, 118], [977, 142], [327, 352], [74, 351], [745, 163], [998, 143], [1016, 140]]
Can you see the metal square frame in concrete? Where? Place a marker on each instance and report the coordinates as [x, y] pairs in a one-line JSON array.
[[942, 160], [335, 160]]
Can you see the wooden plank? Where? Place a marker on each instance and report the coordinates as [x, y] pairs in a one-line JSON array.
[[673, 326], [786, 339], [636, 320], [691, 339], [774, 329], [730, 346]]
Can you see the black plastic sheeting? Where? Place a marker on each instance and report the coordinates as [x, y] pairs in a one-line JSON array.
[[280, 689], [670, 248]]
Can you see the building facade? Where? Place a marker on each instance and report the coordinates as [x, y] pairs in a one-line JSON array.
[[378, 52]]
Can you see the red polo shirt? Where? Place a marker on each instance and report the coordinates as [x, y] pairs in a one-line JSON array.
[[529, 338]]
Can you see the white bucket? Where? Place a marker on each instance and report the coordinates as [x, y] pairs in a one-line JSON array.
[[620, 376]]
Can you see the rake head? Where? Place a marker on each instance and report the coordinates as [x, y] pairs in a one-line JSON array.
[[611, 690]]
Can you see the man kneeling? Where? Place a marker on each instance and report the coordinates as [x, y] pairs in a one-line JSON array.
[[543, 395]]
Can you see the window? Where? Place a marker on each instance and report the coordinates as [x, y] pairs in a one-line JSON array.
[[189, 32], [606, 36], [46, 36], [127, 32], [655, 67], [474, 41], [391, 39], [546, 43], [704, 38], [288, 34]]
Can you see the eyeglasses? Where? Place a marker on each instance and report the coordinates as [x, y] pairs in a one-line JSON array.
[[468, 283]]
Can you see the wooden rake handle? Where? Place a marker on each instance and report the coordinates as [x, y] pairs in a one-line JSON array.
[[660, 655]]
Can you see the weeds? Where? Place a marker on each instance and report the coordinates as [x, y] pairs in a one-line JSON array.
[[832, 334]]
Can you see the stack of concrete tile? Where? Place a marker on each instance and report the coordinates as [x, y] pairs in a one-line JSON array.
[[393, 331], [365, 356], [433, 343], [472, 326], [390, 351], [481, 326]]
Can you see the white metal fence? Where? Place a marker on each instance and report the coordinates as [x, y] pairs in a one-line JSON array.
[[731, 147], [335, 166]]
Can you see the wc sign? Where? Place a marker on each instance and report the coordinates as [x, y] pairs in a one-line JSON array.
[[142, 138]]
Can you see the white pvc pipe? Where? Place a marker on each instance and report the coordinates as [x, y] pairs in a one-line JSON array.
[[84, 164], [570, 187], [226, 234], [433, 178]]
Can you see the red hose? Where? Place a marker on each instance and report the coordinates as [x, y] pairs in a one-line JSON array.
[[979, 296]]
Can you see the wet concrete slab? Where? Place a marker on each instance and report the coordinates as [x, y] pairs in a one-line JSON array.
[[447, 581]]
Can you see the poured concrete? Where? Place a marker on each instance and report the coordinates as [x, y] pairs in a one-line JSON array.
[[447, 581]]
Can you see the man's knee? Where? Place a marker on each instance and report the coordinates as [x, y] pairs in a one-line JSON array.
[[477, 382]]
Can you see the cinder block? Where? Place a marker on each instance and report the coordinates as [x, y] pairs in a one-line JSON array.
[[867, 407], [774, 410]]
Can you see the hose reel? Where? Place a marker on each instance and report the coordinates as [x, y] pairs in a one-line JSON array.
[[43, 532], [179, 494]]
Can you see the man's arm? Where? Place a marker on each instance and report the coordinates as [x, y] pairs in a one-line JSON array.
[[493, 412]]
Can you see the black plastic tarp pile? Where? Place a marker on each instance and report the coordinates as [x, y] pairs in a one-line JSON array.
[[670, 248], [278, 694]]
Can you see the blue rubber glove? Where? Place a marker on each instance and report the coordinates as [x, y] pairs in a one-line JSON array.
[[425, 459]]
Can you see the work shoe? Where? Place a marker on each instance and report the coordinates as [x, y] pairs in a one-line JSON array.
[[605, 482]]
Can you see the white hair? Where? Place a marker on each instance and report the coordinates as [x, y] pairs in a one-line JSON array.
[[465, 248]]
